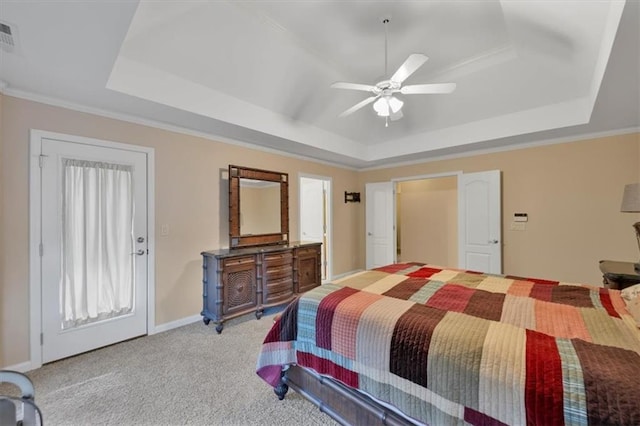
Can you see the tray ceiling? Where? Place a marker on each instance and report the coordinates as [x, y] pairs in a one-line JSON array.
[[259, 72]]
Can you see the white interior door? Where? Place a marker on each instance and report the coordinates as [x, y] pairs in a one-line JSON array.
[[479, 230], [93, 259], [314, 216], [380, 224]]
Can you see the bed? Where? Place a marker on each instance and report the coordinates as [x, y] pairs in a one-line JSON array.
[[418, 344]]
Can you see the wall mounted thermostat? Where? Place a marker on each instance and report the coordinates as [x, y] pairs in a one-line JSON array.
[[520, 217]]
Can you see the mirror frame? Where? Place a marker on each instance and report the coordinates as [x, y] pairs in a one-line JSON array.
[[237, 240]]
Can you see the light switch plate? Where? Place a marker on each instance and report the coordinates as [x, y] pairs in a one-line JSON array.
[[520, 217]]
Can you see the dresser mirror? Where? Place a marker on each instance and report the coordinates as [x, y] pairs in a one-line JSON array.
[[258, 207]]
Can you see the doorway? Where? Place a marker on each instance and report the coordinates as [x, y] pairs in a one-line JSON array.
[[478, 222], [315, 216], [427, 220], [91, 254]]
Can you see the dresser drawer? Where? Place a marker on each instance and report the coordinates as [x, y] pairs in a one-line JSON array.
[[279, 272], [279, 290], [307, 251], [278, 259], [238, 261], [277, 286]]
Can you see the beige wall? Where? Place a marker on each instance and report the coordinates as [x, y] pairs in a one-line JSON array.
[[190, 198], [572, 193], [428, 214]]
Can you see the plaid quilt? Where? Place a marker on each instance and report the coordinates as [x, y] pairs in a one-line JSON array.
[[448, 346]]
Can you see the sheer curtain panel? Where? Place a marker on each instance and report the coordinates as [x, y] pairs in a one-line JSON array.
[[97, 242]]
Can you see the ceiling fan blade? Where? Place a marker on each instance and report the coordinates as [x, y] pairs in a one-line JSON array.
[[434, 88], [358, 106], [413, 62], [353, 86]]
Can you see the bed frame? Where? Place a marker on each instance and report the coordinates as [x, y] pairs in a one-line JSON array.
[[344, 404]]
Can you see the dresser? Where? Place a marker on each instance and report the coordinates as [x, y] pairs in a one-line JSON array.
[[240, 281]]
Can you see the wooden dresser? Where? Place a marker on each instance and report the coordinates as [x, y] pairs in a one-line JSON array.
[[240, 281]]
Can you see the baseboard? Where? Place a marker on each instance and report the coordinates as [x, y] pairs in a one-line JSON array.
[[23, 367], [175, 324]]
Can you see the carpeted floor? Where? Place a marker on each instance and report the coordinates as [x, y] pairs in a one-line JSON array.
[[189, 375]]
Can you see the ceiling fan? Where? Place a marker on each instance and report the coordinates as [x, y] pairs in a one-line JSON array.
[[384, 102]]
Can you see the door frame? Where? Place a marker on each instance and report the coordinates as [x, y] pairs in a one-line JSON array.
[[329, 245], [35, 228]]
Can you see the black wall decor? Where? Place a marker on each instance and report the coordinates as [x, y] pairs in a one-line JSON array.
[[351, 197]]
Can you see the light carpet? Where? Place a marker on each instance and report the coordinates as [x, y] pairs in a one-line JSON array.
[[186, 376]]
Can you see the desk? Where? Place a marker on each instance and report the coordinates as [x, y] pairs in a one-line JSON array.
[[618, 275]]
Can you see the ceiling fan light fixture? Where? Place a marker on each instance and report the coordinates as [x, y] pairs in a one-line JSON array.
[[387, 105], [395, 104], [381, 106]]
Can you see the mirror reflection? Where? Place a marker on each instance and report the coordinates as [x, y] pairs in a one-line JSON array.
[[259, 207]]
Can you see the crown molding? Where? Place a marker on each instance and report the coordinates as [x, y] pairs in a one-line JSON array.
[[524, 145], [130, 118], [8, 91]]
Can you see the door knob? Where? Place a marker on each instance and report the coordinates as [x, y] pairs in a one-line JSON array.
[[369, 234], [140, 252], [140, 239], [493, 241]]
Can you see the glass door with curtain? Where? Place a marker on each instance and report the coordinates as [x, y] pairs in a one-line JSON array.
[[94, 249]]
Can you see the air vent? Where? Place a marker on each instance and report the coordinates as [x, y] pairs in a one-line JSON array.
[[7, 40]]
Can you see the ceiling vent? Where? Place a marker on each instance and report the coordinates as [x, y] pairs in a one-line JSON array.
[[7, 37]]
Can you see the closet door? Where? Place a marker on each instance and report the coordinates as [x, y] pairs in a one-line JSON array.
[[380, 224], [479, 228]]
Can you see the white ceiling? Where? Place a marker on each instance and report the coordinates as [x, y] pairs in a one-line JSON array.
[[259, 71]]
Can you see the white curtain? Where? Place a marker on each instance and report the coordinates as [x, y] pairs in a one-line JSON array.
[[97, 242]]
